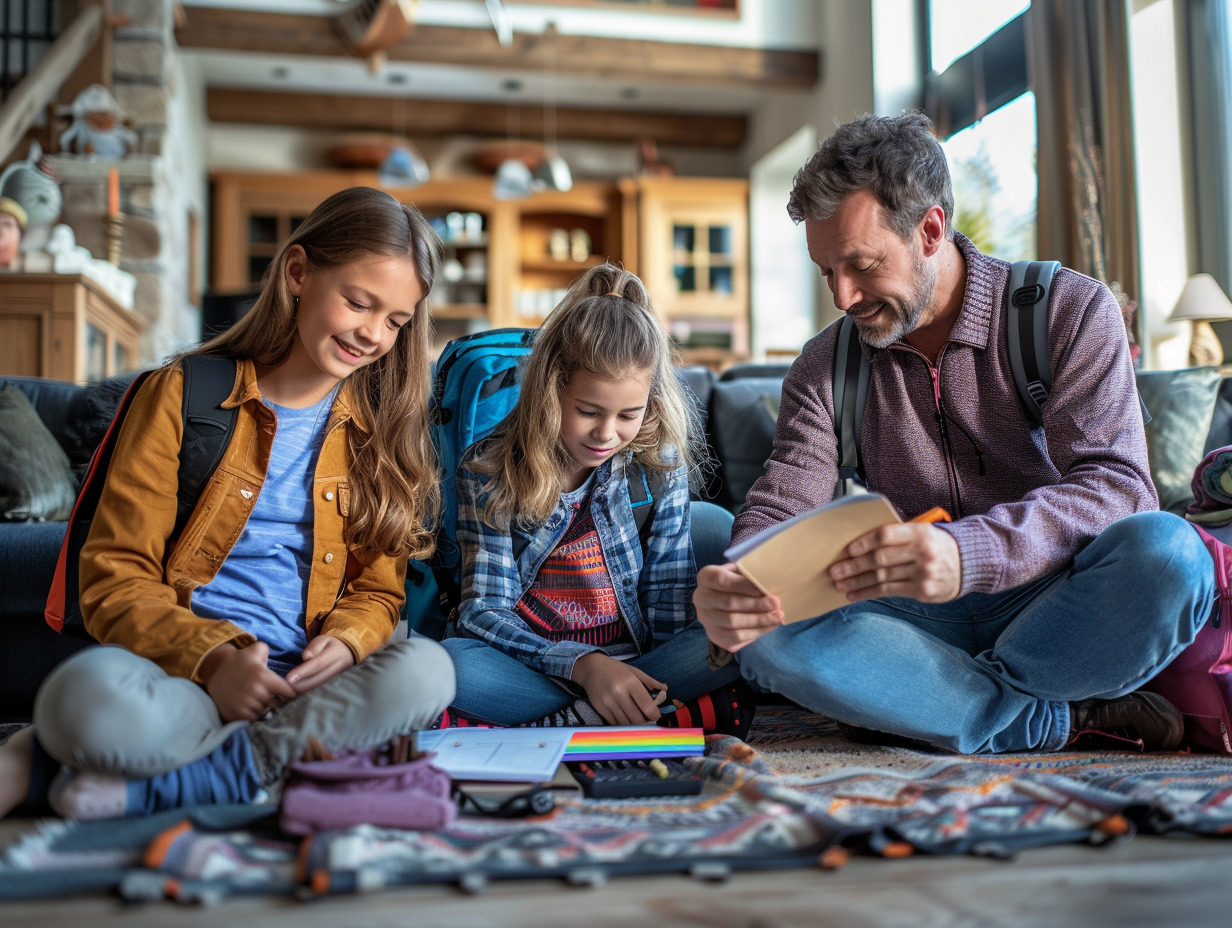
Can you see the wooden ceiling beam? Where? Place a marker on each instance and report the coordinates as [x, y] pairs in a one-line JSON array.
[[583, 56], [443, 118]]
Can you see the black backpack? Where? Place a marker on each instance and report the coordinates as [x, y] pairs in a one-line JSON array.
[[208, 381], [1026, 304]]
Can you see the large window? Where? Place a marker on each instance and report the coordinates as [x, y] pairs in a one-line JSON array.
[[977, 94], [1210, 38], [955, 27]]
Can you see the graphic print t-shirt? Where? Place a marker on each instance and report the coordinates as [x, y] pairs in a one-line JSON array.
[[572, 597]]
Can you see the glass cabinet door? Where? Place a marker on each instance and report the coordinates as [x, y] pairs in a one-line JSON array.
[[703, 257]]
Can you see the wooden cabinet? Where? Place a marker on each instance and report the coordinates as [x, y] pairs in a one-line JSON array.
[[694, 258], [66, 327], [500, 265], [508, 262]]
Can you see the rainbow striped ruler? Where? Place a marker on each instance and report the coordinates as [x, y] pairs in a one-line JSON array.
[[634, 742]]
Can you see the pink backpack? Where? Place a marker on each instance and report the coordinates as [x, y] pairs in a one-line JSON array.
[[1199, 680]]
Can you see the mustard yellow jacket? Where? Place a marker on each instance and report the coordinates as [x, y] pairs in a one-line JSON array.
[[137, 593]]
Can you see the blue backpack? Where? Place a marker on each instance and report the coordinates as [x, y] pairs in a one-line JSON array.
[[476, 385]]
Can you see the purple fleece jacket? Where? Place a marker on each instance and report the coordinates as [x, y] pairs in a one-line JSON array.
[[1025, 500]]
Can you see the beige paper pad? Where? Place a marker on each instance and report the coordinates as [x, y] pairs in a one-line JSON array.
[[791, 560]]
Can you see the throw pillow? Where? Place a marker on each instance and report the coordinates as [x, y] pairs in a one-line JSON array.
[[1180, 403], [36, 483]]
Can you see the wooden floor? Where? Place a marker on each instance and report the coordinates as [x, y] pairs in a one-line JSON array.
[[1140, 882]]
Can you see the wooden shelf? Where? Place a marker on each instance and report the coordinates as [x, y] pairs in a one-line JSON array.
[[550, 265]]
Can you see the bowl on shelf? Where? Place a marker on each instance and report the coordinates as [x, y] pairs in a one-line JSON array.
[[489, 156]]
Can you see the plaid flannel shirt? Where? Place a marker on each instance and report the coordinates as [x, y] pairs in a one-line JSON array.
[[655, 598]]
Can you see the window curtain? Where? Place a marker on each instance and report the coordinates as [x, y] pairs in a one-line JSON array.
[[1078, 59], [1210, 78]]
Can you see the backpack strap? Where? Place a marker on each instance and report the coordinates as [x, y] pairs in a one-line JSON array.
[[1026, 306], [208, 381], [62, 609], [850, 388], [642, 501]]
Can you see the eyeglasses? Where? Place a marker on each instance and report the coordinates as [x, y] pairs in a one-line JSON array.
[[537, 800]]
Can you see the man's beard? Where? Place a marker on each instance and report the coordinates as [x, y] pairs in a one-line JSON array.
[[903, 317]]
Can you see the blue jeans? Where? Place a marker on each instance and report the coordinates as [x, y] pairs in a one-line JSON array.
[[494, 687], [497, 688], [997, 672]]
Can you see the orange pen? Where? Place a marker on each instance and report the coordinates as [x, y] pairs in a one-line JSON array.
[[936, 514]]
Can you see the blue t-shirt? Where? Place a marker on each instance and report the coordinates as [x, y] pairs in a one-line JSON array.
[[262, 586]]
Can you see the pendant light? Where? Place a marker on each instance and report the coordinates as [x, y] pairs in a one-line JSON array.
[[553, 171], [404, 166], [513, 179]]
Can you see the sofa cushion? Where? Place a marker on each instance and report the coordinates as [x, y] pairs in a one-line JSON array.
[[50, 398], [698, 382], [1220, 435], [743, 416], [1180, 403], [36, 482]]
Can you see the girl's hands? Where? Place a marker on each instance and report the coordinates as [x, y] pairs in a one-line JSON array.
[[241, 685], [620, 693], [323, 659]]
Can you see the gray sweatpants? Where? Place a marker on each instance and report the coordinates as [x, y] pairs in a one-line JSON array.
[[110, 711]]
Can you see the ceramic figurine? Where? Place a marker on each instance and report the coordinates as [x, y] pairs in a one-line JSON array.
[[33, 185], [97, 127], [67, 257], [12, 222]]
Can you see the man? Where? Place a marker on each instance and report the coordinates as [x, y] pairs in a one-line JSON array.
[[1058, 590]]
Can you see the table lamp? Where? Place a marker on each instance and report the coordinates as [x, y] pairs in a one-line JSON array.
[[1201, 302]]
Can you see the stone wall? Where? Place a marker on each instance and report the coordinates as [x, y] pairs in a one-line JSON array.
[[157, 191]]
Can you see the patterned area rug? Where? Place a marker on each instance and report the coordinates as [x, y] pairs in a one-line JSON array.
[[796, 794]]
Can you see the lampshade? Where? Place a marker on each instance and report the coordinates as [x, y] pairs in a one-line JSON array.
[[552, 173], [1202, 298], [403, 167], [513, 181]]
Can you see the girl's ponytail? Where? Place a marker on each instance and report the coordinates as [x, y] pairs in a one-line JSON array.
[[605, 325]]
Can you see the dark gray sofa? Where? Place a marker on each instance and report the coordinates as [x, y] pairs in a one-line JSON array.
[[1192, 412]]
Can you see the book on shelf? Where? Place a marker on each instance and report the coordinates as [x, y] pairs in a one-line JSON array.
[[792, 560]]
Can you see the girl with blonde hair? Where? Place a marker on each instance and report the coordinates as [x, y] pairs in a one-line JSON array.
[[227, 647], [571, 614]]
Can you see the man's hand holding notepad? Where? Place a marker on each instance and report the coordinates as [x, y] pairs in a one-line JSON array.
[[792, 560]]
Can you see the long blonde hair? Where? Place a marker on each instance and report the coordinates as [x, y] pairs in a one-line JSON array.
[[393, 472], [605, 326]]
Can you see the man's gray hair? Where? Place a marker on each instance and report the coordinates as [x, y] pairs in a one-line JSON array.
[[896, 157]]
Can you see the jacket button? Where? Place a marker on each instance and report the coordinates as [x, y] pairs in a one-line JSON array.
[[329, 494], [329, 558]]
